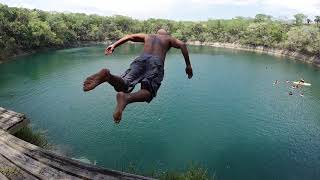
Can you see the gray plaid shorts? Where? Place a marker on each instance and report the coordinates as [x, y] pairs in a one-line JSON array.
[[146, 69]]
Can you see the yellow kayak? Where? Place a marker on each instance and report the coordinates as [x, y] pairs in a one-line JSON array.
[[301, 83]]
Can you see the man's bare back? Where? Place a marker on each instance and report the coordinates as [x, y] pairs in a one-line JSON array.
[[157, 44], [147, 69]]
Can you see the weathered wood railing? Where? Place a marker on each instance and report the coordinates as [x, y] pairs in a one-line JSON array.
[[22, 160]]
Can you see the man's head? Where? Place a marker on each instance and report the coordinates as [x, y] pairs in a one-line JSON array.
[[162, 32]]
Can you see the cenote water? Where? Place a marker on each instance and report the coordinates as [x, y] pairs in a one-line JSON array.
[[229, 118]]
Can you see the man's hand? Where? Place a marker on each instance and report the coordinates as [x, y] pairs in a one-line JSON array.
[[189, 71], [109, 50]]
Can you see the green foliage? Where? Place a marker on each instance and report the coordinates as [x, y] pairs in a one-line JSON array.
[[23, 29], [268, 34], [317, 20], [305, 39], [9, 171], [300, 19], [192, 173], [262, 18], [37, 138]]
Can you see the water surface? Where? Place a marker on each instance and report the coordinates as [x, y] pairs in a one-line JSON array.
[[229, 118]]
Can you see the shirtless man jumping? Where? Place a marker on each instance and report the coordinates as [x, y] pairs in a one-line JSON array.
[[147, 69]]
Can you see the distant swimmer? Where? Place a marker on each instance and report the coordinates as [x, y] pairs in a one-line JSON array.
[[147, 69], [295, 86], [287, 81], [276, 82], [301, 83], [301, 94], [290, 93]]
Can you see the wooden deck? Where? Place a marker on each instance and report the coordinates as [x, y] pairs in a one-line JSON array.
[[12, 121], [22, 160]]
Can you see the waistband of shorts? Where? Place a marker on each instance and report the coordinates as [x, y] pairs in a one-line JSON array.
[[149, 55]]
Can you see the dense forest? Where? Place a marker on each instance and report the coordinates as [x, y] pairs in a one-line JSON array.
[[24, 30]]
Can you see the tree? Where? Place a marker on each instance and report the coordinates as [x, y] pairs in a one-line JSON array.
[[300, 19], [262, 18], [198, 29], [268, 34], [24, 29], [309, 21], [305, 39], [317, 20]]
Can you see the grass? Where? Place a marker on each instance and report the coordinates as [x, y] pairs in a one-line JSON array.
[[9, 171], [37, 138], [192, 172]]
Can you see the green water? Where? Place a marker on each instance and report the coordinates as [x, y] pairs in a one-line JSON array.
[[229, 118]]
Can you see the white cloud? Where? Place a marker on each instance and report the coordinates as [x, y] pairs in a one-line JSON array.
[[303, 6], [225, 2], [134, 8], [143, 9]]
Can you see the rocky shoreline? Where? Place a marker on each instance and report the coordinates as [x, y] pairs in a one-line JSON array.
[[74, 45], [314, 60]]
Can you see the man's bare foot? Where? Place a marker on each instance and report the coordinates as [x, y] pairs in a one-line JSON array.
[[121, 104], [93, 81]]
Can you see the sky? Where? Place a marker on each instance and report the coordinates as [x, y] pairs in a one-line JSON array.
[[177, 9]]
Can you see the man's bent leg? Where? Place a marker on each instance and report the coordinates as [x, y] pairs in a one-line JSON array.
[[117, 82], [96, 79], [102, 76], [123, 99]]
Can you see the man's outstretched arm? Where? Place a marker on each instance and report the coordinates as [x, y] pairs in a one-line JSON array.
[[131, 37], [181, 45]]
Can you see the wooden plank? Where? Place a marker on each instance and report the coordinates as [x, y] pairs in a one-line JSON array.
[[13, 172], [4, 120], [43, 164], [37, 154], [16, 127], [6, 115], [2, 110], [3, 177], [16, 114], [12, 121], [4, 126], [60, 166], [34, 167], [65, 164]]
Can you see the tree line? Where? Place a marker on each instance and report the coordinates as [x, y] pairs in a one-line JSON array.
[[29, 29]]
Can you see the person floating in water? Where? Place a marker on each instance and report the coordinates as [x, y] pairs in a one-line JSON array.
[[290, 93], [276, 82], [295, 86], [301, 81], [147, 69]]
